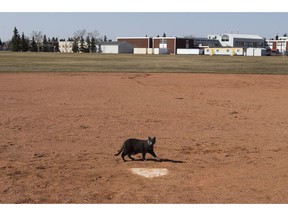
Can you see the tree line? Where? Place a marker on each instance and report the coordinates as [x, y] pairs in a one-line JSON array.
[[22, 43], [83, 41]]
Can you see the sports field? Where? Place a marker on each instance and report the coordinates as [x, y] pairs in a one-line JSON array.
[[59, 62], [222, 136]]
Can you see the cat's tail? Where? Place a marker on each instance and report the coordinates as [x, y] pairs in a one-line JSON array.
[[119, 151]]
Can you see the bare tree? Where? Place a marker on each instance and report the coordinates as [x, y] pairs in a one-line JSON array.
[[38, 37], [80, 33], [95, 34], [90, 43]]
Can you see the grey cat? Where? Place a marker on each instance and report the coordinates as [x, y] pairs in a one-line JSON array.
[[135, 146]]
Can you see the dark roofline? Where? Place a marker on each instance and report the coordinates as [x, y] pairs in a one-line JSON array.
[[110, 42]]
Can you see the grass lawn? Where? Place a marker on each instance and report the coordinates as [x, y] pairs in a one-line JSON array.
[[60, 62]]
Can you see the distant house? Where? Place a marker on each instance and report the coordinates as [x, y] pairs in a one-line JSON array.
[[169, 45], [224, 51], [239, 40], [137, 42], [278, 44], [101, 47], [166, 45], [66, 46], [172, 44], [157, 45], [204, 42], [114, 47], [252, 51]]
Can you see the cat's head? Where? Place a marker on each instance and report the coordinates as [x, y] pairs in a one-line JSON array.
[[151, 141]]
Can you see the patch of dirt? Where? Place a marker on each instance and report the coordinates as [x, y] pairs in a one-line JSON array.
[[223, 138], [149, 172]]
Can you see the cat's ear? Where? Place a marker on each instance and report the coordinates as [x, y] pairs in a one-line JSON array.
[[150, 142], [154, 140]]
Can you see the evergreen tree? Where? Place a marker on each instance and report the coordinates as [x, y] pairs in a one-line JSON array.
[[75, 47], [93, 45], [24, 43], [52, 47], [45, 44], [164, 34], [88, 42], [34, 47], [105, 38], [56, 45], [16, 40], [82, 45]]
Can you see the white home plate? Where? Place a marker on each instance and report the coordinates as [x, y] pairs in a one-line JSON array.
[[149, 172]]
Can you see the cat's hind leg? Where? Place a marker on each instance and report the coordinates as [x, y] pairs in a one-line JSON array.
[[123, 155], [129, 155]]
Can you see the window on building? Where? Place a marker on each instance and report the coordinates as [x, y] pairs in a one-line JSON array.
[[163, 44], [163, 41], [225, 38], [187, 44]]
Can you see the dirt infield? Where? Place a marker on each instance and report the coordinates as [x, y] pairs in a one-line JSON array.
[[222, 138]]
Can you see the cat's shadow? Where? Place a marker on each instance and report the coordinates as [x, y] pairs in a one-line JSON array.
[[160, 161], [167, 160]]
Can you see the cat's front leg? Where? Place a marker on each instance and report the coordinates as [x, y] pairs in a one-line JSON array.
[[143, 156], [155, 156]]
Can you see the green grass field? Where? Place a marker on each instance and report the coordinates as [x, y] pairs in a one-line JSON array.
[[59, 62]]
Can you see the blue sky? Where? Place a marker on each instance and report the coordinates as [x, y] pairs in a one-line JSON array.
[[113, 24]]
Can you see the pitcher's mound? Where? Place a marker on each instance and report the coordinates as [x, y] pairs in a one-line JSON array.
[[149, 172]]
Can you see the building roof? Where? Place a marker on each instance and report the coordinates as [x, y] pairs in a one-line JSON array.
[[112, 43], [240, 36], [245, 36], [133, 38]]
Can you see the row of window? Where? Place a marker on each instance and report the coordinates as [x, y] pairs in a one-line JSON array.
[[248, 44], [228, 50], [66, 46], [279, 42]]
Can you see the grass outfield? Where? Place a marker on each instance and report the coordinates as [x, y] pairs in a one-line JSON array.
[[60, 62]]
